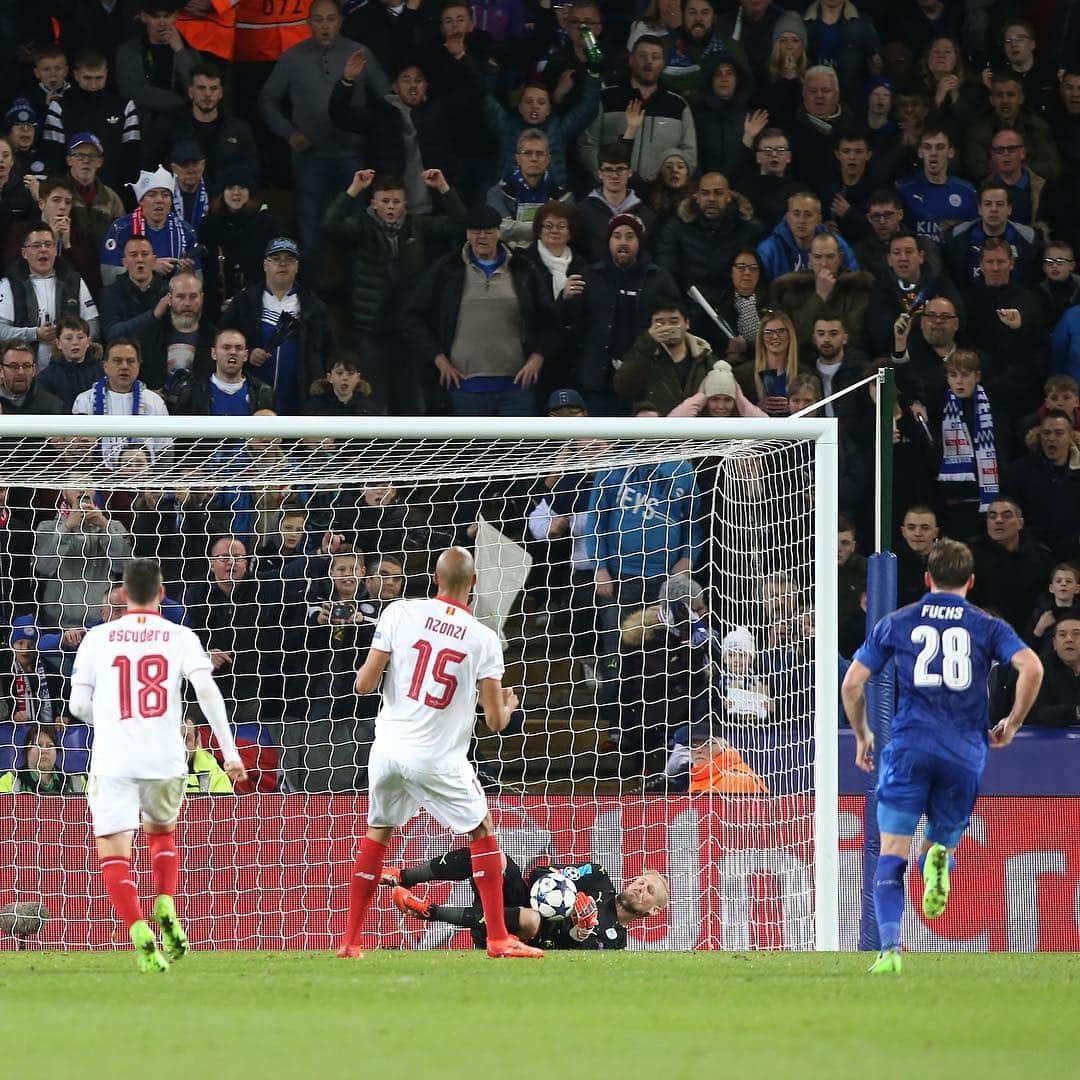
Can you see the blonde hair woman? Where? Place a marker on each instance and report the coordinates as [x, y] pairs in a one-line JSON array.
[[776, 362]]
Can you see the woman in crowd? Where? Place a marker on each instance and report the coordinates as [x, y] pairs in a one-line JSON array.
[[671, 186], [234, 235], [956, 95], [776, 363], [558, 268]]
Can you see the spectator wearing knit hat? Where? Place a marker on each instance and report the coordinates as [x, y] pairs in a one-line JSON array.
[[606, 316]]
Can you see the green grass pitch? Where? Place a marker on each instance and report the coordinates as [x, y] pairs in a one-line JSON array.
[[446, 1015]]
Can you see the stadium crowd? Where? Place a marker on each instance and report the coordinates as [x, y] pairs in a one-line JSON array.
[[498, 208]]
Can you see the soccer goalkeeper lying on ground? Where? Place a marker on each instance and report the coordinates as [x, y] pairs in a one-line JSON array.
[[599, 920]]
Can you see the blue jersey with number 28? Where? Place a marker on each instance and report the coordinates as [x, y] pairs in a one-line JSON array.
[[944, 648]]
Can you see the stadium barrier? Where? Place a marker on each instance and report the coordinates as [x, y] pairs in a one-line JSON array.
[[269, 871]]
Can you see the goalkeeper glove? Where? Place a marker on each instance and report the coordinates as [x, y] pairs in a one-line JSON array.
[[585, 917]]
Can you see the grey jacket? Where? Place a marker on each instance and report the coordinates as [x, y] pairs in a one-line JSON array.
[[77, 567], [303, 80]]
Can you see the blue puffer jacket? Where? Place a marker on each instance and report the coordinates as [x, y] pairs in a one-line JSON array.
[[780, 254]]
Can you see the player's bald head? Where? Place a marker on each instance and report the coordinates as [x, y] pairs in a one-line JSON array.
[[454, 570]]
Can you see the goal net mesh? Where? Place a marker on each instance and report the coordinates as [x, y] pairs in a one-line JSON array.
[[655, 601]]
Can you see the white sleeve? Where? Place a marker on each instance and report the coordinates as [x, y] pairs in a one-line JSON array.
[[383, 639], [491, 664], [88, 308], [83, 680], [213, 707], [7, 301]]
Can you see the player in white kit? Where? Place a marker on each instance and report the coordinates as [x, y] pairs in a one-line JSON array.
[[436, 658], [128, 682]]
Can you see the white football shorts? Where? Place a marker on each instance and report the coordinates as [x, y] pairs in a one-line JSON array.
[[396, 790], [119, 804]]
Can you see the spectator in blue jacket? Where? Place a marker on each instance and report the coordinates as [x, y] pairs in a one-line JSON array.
[[534, 111], [788, 248], [1065, 345]]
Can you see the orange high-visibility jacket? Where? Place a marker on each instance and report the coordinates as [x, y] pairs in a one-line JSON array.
[[266, 28], [726, 771], [214, 33]]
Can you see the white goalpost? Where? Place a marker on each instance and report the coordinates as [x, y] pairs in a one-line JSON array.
[[665, 590]]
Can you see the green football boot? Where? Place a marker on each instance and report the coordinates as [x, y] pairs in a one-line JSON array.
[[173, 938], [935, 881], [887, 963], [150, 956]]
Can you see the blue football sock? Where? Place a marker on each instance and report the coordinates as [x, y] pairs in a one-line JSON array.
[[922, 862], [889, 898]]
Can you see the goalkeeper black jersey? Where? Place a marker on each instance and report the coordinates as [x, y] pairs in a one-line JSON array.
[[593, 880]]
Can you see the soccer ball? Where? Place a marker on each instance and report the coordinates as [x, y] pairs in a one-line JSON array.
[[553, 895]]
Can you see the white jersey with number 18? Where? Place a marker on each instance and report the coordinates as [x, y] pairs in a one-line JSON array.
[[134, 669], [438, 655]]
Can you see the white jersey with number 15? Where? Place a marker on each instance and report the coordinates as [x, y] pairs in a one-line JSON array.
[[438, 655], [134, 668]]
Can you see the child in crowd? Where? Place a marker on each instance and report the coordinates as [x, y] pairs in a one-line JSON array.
[[344, 392], [1059, 392], [971, 444], [1059, 600]]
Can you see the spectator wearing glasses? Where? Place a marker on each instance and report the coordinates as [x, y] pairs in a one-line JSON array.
[[921, 345], [1008, 112], [522, 191], [1008, 155], [1059, 286], [39, 291], [768, 179], [20, 392], [534, 111], [559, 267], [884, 216], [964, 248], [96, 205], [614, 195], [1038, 76]]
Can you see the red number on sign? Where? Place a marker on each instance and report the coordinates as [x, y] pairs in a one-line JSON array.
[[443, 659], [150, 672]]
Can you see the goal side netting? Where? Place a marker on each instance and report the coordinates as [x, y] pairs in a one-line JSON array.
[[663, 590]]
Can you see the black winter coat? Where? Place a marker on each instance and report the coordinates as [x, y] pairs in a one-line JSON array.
[[384, 127], [591, 314], [697, 251], [235, 246], [316, 332], [380, 280]]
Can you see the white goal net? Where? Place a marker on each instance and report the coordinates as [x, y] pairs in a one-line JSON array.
[[665, 594]]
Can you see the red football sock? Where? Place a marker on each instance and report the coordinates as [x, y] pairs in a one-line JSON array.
[[487, 865], [164, 862], [116, 870], [362, 884]]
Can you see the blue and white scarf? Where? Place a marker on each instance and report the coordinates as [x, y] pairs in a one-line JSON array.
[[112, 447], [964, 460], [201, 208], [518, 189], [178, 245]]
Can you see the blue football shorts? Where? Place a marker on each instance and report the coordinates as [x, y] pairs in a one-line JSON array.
[[914, 782]]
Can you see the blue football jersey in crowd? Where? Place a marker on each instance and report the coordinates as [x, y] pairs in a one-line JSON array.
[[927, 205], [944, 648]]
